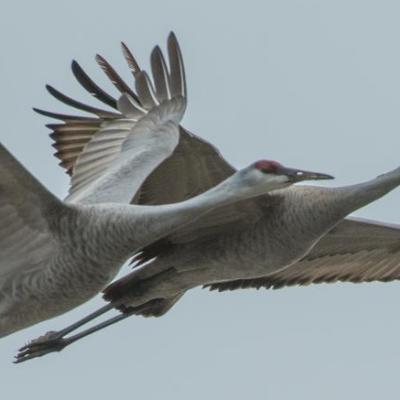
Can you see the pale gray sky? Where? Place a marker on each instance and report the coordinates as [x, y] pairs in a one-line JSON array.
[[314, 84]]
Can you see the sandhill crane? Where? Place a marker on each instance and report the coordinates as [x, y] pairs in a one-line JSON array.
[[56, 255], [296, 235]]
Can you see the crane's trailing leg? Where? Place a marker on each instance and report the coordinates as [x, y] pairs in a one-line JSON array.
[[55, 341]]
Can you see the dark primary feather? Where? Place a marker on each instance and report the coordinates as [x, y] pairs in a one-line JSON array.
[[91, 86], [80, 106], [63, 117], [114, 77], [160, 73], [132, 63], [177, 73]]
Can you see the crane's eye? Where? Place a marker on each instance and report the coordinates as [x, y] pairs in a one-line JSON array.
[[267, 166]]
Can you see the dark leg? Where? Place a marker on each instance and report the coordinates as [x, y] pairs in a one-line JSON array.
[[85, 320], [39, 348], [55, 338], [55, 341]]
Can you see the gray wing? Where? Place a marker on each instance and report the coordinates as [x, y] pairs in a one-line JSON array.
[[195, 165], [27, 214], [110, 156], [355, 250]]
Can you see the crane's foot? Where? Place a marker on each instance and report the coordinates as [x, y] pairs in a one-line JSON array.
[[48, 343]]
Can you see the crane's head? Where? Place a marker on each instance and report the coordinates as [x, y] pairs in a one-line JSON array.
[[264, 176], [282, 176]]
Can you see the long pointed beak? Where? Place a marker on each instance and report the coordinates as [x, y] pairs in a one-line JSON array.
[[297, 175]]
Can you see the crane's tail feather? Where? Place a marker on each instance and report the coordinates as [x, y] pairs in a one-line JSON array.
[[130, 294], [152, 308]]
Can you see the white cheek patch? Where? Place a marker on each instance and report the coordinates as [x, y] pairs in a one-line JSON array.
[[279, 178]]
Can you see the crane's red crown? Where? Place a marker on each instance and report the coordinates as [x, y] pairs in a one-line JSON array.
[[267, 165]]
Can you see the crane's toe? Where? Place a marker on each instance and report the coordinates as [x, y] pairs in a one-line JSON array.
[[48, 343]]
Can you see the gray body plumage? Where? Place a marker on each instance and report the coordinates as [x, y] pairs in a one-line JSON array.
[[69, 275]]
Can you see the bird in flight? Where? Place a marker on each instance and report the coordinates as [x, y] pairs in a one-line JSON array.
[[278, 235]]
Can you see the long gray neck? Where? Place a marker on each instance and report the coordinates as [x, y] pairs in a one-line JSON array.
[[133, 227], [357, 196], [315, 210], [169, 217]]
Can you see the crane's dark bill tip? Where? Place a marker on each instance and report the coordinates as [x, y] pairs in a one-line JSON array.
[[323, 176], [298, 175], [314, 176]]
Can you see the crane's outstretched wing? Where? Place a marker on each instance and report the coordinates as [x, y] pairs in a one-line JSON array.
[[195, 165], [27, 219], [355, 250], [110, 156]]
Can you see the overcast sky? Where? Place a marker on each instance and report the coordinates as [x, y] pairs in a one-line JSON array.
[[313, 84]]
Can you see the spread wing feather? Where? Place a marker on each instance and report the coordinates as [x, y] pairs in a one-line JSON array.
[[114, 77], [87, 83]]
